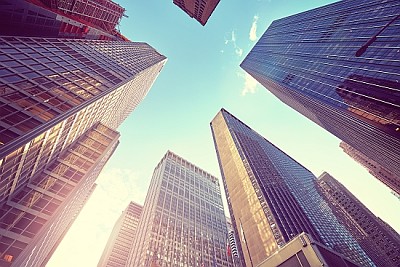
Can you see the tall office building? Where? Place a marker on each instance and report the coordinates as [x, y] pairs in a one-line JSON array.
[[271, 197], [183, 221], [381, 243], [200, 10], [374, 168], [338, 66], [61, 101], [77, 19], [38, 211], [304, 251], [120, 242], [105, 14]]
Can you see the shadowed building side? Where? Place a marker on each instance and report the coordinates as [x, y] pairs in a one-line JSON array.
[[374, 168], [380, 242]]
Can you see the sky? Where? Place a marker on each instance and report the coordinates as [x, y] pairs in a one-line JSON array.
[[201, 76]]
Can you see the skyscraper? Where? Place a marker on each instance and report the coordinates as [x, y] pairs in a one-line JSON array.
[[120, 242], [81, 19], [381, 243], [374, 168], [38, 211], [183, 221], [271, 197], [200, 10], [61, 101], [338, 66]]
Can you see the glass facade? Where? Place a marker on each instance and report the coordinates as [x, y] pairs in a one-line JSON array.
[[381, 243], [120, 242], [271, 197], [105, 14], [315, 62], [75, 84], [183, 221], [24, 18], [53, 93], [39, 211], [200, 10]]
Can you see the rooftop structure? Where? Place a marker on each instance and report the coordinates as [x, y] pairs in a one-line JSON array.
[[304, 251]]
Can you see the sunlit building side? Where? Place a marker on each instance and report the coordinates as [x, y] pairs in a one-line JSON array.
[[119, 244], [183, 221], [338, 66], [271, 197]]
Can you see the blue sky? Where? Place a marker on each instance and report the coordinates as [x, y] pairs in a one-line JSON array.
[[202, 75]]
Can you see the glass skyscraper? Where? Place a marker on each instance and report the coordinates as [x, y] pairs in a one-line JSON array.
[[120, 242], [183, 221], [338, 65], [380, 242], [271, 197], [61, 101]]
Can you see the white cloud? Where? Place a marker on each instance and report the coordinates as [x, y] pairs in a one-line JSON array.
[[121, 184], [233, 39], [238, 51], [250, 84], [253, 29]]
